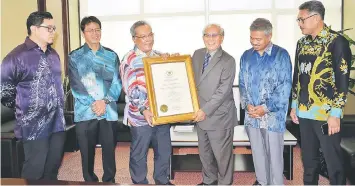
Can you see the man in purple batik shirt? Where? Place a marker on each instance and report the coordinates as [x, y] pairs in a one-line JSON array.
[[31, 84]]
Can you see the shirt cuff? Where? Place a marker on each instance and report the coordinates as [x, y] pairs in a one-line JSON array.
[[265, 108], [294, 104], [336, 112], [109, 98], [244, 104], [88, 101], [142, 109]]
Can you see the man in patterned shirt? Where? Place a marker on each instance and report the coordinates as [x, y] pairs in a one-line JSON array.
[[265, 82], [94, 81], [137, 114], [320, 87], [31, 84]]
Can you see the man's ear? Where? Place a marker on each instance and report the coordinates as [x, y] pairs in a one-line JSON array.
[[82, 34], [33, 28]]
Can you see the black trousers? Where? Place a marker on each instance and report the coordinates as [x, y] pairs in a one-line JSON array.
[[312, 139], [43, 157], [88, 133]]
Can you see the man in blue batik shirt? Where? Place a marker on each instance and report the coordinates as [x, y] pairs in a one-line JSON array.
[[94, 81], [265, 85]]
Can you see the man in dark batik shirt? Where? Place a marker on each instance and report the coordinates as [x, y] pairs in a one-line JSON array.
[[320, 87], [31, 84]]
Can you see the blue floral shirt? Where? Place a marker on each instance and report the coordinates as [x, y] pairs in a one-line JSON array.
[[266, 80], [94, 76]]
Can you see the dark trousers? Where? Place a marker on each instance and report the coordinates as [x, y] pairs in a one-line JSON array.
[[88, 133], [142, 136], [312, 139], [43, 157]]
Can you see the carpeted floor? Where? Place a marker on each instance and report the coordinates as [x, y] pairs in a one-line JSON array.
[[71, 168]]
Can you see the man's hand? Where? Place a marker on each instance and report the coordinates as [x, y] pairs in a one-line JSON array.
[[250, 108], [257, 111], [99, 107], [199, 116], [175, 54], [148, 117], [166, 55], [333, 125], [294, 116]]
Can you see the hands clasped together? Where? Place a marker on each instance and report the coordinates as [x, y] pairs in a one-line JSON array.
[[256, 111], [99, 107]]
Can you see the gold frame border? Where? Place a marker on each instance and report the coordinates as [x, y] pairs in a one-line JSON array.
[[148, 61]]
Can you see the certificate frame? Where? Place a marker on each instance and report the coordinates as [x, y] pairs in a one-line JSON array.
[[159, 120]]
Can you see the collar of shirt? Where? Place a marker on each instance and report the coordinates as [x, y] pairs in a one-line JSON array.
[[87, 48], [213, 52], [31, 44], [141, 53], [268, 49], [323, 34]]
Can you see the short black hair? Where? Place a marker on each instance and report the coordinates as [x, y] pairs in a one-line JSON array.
[[313, 6], [36, 19], [87, 20]]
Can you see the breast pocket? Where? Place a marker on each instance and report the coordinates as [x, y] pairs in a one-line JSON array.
[[104, 72], [107, 73]]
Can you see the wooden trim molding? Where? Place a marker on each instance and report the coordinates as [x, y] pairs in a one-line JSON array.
[[66, 34], [41, 5], [66, 49]]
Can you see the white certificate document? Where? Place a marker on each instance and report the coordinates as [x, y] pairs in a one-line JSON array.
[[171, 87]]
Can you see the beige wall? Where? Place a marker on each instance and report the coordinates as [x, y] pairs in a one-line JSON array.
[[13, 23], [74, 24], [55, 8], [0, 32], [349, 15]]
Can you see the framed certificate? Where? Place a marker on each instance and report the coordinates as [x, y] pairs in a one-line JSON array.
[[171, 89]]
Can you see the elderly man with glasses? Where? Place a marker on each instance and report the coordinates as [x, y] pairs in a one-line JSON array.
[[320, 87], [95, 84], [31, 85], [214, 71]]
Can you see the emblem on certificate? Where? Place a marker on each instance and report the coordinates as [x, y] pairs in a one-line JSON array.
[[171, 89], [164, 108]]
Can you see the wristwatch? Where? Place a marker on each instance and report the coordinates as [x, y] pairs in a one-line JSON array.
[[142, 109], [106, 101]]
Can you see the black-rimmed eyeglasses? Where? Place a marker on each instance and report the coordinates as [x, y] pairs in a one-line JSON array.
[[49, 28], [299, 20]]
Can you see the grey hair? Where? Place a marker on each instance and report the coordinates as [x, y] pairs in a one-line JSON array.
[[261, 24], [221, 30], [313, 7], [138, 24]]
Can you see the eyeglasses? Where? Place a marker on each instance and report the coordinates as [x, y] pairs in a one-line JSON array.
[[303, 19], [98, 30], [49, 28], [151, 35], [211, 35]]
